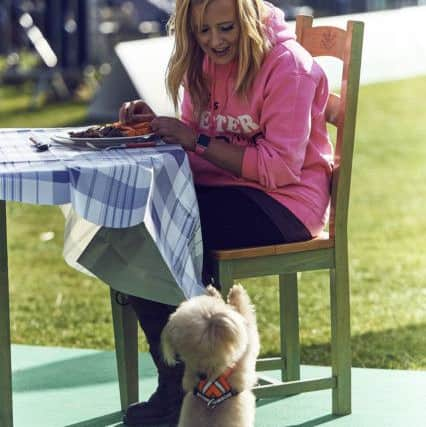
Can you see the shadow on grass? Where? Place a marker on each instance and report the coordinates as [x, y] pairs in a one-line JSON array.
[[398, 348], [28, 110], [52, 114], [28, 115]]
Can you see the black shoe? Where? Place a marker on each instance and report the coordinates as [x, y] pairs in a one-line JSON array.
[[165, 403], [137, 415], [163, 407]]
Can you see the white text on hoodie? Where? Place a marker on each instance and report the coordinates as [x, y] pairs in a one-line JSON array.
[[241, 124]]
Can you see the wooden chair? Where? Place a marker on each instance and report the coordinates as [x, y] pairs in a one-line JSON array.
[[328, 251]]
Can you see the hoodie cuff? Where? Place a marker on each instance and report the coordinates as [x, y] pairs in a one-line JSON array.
[[249, 166]]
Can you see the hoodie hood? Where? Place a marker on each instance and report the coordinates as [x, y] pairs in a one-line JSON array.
[[277, 28]]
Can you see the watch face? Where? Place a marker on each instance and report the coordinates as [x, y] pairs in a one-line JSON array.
[[203, 140]]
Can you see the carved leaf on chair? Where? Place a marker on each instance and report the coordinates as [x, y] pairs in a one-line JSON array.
[[328, 40]]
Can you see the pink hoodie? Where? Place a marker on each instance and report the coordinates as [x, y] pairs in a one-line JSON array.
[[282, 125]]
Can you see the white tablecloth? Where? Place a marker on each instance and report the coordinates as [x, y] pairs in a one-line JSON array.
[[117, 188]]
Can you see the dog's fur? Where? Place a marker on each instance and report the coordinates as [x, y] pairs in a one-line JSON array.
[[209, 336]]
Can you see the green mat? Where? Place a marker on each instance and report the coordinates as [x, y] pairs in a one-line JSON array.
[[58, 387]]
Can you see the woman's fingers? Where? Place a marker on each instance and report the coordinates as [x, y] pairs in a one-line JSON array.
[[143, 117], [135, 111], [142, 107], [168, 139], [173, 131], [162, 127], [166, 125], [169, 126], [122, 113], [130, 110]]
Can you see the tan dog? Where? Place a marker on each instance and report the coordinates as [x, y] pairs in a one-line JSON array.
[[216, 341]]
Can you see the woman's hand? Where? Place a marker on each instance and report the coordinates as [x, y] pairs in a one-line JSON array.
[[135, 111], [173, 131]]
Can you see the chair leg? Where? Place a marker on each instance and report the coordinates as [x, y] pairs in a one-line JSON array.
[[223, 276], [340, 338], [126, 350], [289, 327], [6, 417]]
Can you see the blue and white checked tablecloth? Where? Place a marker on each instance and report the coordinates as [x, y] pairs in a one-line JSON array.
[[115, 188]]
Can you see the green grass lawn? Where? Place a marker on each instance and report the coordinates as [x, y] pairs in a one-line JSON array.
[[51, 304]]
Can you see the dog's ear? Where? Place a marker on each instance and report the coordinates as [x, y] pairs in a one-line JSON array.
[[213, 292], [225, 332], [168, 350]]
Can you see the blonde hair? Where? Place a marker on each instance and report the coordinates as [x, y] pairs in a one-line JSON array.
[[186, 63]]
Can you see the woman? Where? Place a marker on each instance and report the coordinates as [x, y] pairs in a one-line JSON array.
[[252, 122]]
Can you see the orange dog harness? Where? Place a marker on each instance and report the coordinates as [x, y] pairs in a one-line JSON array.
[[215, 392]]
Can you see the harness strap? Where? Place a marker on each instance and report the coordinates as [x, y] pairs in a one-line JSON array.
[[217, 391]]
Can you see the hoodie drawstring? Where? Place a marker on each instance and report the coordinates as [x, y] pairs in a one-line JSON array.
[[213, 73]]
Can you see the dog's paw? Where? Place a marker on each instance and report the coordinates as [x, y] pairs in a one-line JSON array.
[[237, 294], [213, 292], [239, 298]]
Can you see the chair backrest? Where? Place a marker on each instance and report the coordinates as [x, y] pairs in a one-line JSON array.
[[345, 45]]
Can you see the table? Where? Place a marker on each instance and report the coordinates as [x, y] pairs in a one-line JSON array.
[[117, 188]]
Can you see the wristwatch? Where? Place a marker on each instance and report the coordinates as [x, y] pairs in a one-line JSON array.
[[202, 143]]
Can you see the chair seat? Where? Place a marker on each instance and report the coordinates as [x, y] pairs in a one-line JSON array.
[[323, 241]]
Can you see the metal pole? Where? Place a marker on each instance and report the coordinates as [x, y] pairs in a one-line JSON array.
[[6, 416]]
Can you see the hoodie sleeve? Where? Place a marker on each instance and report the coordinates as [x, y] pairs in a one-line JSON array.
[[279, 154]]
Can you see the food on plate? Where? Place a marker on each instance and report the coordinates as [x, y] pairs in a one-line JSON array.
[[113, 130]]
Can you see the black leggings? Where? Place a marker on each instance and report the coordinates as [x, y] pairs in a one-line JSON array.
[[232, 218]]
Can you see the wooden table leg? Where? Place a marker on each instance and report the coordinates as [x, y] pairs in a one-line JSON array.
[[6, 417], [126, 349]]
